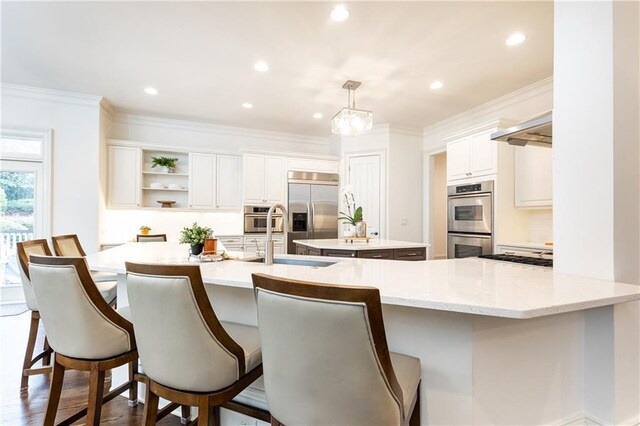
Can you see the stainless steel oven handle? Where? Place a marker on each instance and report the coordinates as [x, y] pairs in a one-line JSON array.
[[474, 195], [485, 236]]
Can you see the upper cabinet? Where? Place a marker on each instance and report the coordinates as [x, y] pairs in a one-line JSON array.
[[202, 181], [533, 177], [124, 176], [265, 179], [471, 156], [228, 181]]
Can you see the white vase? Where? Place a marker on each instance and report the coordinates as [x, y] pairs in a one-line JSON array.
[[349, 231], [162, 169]]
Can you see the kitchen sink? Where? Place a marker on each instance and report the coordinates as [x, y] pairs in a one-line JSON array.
[[294, 262]]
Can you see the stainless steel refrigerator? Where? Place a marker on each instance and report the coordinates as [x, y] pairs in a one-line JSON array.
[[313, 207]]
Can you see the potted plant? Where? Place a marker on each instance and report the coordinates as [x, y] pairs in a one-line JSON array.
[[144, 230], [164, 164], [195, 236], [353, 215]]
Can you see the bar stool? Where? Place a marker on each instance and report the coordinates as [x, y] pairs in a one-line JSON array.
[[326, 360], [69, 246], [154, 238], [24, 249], [188, 355], [85, 333]]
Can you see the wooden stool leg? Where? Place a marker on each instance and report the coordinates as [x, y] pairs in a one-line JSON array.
[[54, 394], [150, 407], [96, 393], [31, 344], [186, 415], [46, 360], [205, 414], [133, 390]]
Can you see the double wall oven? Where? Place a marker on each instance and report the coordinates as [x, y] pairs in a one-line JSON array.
[[255, 220], [470, 220]]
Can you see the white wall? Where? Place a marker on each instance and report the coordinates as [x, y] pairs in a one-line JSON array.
[[439, 206], [74, 120], [403, 170], [596, 140]]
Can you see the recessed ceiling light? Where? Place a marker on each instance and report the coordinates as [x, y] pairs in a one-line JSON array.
[[436, 85], [515, 39], [261, 66], [151, 91], [340, 13], [317, 115], [247, 105]]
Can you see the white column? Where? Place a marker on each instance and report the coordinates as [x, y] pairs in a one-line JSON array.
[[597, 186]]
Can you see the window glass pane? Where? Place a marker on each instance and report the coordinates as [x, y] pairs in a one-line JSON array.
[[17, 190], [20, 147]]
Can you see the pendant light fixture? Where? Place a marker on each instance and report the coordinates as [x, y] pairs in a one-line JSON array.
[[351, 121]]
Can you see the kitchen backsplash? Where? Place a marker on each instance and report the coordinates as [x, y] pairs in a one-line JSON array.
[[541, 226], [122, 225]]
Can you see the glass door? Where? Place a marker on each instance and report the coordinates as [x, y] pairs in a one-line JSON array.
[[21, 219]]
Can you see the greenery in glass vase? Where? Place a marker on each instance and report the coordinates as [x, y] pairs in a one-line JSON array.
[[195, 235], [168, 162], [353, 214]]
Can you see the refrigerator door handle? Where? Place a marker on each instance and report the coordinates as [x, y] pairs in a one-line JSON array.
[[312, 222]]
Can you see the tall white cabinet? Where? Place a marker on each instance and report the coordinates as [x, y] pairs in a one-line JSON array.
[[124, 176], [265, 179]]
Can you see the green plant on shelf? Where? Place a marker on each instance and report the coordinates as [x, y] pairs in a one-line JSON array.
[[168, 162]]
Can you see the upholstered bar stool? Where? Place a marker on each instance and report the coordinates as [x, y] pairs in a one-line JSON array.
[[24, 249], [188, 355], [151, 238], [326, 360], [69, 246], [84, 331]]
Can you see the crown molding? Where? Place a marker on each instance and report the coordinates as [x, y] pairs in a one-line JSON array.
[[198, 126], [107, 109], [49, 95], [492, 107]]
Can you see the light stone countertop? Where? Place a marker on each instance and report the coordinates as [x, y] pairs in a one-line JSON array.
[[373, 244], [471, 286]]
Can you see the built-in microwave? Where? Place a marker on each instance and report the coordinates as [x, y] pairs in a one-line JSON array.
[[255, 220]]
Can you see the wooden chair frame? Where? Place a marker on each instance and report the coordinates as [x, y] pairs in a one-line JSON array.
[[208, 403], [45, 355], [142, 237], [56, 246], [96, 368], [369, 296]]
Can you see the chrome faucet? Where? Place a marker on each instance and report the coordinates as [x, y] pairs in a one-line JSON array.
[[268, 252]]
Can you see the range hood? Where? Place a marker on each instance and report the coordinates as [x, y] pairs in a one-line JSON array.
[[536, 131]]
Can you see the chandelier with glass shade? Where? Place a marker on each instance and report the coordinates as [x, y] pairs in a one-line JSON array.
[[349, 120]]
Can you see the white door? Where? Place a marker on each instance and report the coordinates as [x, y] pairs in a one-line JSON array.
[[482, 158], [228, 182], [275, 179], [22, 218], [124, 176], [365, 174], [253, 170], [458, 159], [202, 181]]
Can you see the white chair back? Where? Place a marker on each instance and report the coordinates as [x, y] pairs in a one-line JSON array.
[[78, 321], [325, 356], [26, 249], [181, 343]]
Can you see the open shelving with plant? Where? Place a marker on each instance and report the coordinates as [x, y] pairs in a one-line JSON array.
[[165, 177]]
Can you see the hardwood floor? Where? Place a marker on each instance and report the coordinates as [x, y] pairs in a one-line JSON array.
[[28, 409]]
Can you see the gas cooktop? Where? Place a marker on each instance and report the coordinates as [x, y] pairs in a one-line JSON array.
[[535, 261]]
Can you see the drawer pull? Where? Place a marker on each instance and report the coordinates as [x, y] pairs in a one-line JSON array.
[[412, 254], [377, 256]]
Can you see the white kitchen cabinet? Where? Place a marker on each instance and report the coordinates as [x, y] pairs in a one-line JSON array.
[[202, 181], [264, 179], [313, 165], [124, 176], [254, 245], [471, 156], [232, 242], [533, 177], [228, 182]]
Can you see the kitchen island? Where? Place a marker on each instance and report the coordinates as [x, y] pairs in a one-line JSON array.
[[372, 249], [498, 342]]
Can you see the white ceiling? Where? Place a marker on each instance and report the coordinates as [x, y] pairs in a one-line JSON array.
[[200, 57]]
